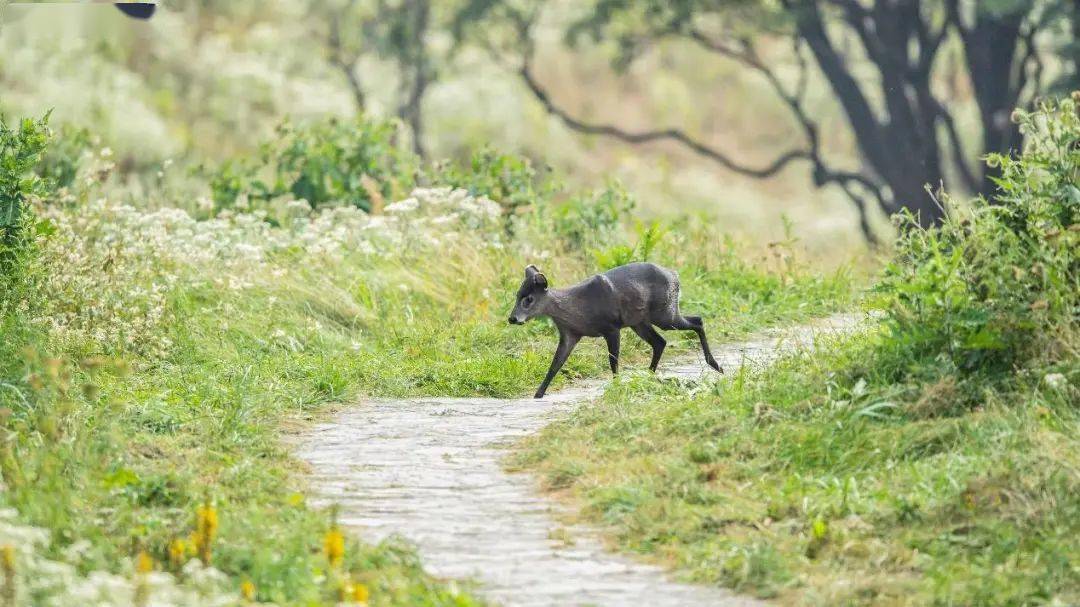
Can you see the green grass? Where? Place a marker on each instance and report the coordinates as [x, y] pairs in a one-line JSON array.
[[206, 422], [910, 506]]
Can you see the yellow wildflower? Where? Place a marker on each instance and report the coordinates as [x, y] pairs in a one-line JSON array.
[[177, 551], [7, 557], [206, 521], [7, 564], [360, 593], [144, 563], [334, 546], [206, 524], [247, 590]]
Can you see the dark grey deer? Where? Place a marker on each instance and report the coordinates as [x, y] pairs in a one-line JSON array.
[[637, 295]]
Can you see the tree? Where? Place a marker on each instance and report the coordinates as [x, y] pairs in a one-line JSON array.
[[904, 129], [394, 31]]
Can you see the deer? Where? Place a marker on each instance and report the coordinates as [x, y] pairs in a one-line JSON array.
[[636, 295]]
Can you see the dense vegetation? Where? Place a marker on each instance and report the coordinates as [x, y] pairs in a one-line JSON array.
[[930, 459], [146, 378]]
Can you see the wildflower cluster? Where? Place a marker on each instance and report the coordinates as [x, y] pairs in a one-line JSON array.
[[26, 573], [448, 212], [110, 267]]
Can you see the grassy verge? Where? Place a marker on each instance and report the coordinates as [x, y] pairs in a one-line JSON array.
[[805, 484], [931, 460], [148, 375]]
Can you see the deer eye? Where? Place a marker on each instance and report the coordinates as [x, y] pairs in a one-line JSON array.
[[528, 301]]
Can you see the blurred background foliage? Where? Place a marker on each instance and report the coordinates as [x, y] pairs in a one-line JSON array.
[[843, 110]]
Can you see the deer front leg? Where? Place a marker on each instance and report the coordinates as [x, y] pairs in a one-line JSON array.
[[567, 341], [612, 340]]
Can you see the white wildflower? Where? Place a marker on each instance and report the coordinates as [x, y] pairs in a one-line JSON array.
[[403, 206], [1056, 381], [300, 206]]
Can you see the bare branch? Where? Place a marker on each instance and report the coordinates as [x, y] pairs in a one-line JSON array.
[[823, 175], [672, 134], [867, 128], [864, 220], [1033, 58], [347, 65], [748, 56], [861, 189], [804, 70], [930, 42], [957, 150]]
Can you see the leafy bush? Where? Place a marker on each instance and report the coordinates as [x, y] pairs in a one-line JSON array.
[[999, 284], [20, 151], [510, 180], [353, 162], [59, 166], [649, 235], [591, 219]]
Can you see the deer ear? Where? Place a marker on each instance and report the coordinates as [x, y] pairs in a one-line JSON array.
[[540, 280]]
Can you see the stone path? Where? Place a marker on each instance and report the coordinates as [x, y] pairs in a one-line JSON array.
[[428, 469]]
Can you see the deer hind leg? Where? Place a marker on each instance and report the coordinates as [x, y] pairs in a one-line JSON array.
[[695, 324], [651, 337]]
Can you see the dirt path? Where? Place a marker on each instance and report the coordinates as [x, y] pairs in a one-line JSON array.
[[429, 470]]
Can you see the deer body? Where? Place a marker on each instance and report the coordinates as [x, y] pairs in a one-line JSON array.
[[638, 295]]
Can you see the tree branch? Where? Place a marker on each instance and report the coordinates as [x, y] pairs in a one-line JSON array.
[[672, 134], [864, 220], [346, 65], [972, 183], [748, 56], [1030, 57], [867, 129], [823, 175], [744, 53], [411, 108]]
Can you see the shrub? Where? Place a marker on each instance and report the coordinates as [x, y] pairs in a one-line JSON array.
[[649, 236], [509, 180], [352, 162], [59, 166], [591, 219], [997, 285], [20, 151]]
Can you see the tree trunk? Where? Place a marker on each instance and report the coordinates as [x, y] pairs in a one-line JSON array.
[[412, 110], [902, 147], [990, 47]]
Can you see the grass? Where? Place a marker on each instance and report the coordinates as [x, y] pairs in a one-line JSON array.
[[817, 487]]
